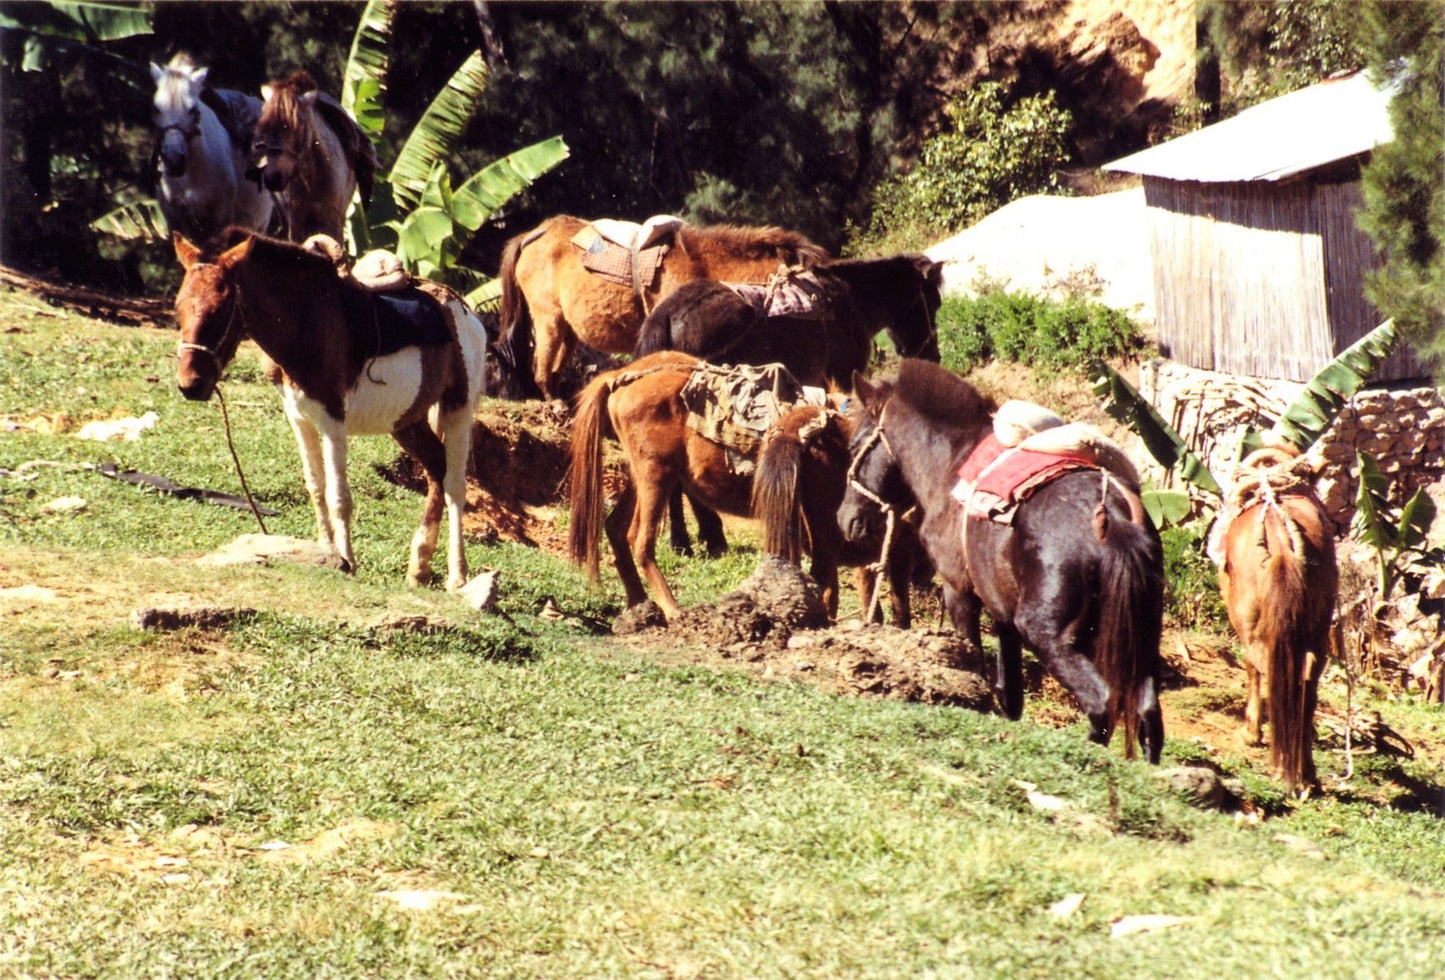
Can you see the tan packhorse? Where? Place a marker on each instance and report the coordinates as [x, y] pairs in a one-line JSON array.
[[1280, 581], [642, 405], [310, 153], [351, 363], [550, 301]]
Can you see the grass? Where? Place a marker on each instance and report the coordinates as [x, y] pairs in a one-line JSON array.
[[272, 798]]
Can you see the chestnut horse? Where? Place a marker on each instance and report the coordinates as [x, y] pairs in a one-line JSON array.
[[642, 405], [1077, 576], [351, 362], [1279, 579], [550, 301], [312, 156], [797, 489], [852, 301]]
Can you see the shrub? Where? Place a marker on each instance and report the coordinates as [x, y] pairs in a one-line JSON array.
[[987, 156], [1022, 327]]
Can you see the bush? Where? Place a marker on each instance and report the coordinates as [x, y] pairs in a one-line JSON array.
[[1192, 600], [987, 156], [1022, 327]]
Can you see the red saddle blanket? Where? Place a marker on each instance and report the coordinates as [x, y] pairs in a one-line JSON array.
[[995, 478]]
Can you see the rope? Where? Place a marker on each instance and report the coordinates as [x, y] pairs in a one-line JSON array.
[[226, 421]]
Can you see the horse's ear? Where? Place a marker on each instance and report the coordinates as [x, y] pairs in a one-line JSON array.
[[185, 251], [309, 99], [866, 392], [237, 253], [198, 77], [266, 93], [157, 73]]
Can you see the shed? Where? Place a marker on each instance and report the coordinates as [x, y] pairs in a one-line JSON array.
[[1258, 264]]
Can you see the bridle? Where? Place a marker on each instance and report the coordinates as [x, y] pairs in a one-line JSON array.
[[890, 513], [220, 345]]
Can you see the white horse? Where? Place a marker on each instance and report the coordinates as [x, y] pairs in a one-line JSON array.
[[202, 141]]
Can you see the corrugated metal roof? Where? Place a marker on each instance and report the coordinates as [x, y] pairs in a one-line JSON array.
[[1310, 128]]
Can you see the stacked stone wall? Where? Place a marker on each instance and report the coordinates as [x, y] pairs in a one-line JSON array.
[[1403, 428]]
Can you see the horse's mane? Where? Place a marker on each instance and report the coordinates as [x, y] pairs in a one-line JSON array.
[[285, 105], [761, 242], [937, 393]]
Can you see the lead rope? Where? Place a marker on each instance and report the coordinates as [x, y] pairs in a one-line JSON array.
[[890, 515], [226, 421]]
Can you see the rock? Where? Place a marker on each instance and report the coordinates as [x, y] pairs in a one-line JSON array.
[[1201, 784], [779, 590], [481, 592], [262, 549]]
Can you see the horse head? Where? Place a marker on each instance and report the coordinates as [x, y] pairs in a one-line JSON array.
[[915, 332], [208, 311], [284, 130], [875, 482], [176, 111]]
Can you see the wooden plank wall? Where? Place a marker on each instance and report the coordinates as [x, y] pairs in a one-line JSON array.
[[1262, 279]]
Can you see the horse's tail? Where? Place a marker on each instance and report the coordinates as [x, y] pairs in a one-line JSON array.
[[589, 428], [1131, 612], [775, 496], [516, 346], [656, 331], [1284, 630]]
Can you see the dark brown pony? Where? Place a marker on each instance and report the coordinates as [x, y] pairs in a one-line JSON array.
[[1280, 581], [642, 406], [351, 363], [550, 301], [798, 487], [312, 156], [857, 299], [1073, 577]]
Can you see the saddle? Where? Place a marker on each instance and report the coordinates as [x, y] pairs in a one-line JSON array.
[[237, 112], [387, 307], [624, 252], [736, 406], [791, 291], [1029, 448]]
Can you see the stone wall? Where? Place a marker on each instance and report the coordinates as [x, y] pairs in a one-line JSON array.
[[1402, 428]]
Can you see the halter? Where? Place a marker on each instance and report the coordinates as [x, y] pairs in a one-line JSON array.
[[211, 352], [890, 513]]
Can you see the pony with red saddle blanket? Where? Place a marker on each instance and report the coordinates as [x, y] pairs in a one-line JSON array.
[[1275, 549], [1065, 564], [349, 361]]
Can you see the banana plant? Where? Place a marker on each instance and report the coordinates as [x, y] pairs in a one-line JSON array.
[[1397, 535], [1306, 419], [59, 27]]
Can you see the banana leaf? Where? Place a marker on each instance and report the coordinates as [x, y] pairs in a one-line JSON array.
[[1310, 415], [439, 129], [1166, 507], [1126, 406], [363, 81], [138, 221], [484, 193], [74, 21]]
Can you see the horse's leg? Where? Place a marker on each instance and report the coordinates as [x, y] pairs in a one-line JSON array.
[[308, 440], [677, 535], [709, 529], [964, 609], [616, 525], [337, 490], [422, 444], [1253, 703], [652, 489], [899, 569], [1151, 721], [1008, 680], [865, 582], [554, 341]]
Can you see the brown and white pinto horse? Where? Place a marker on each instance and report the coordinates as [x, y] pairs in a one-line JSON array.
[[550, 301], [1276, 552], [350, 363], [312, 155]]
